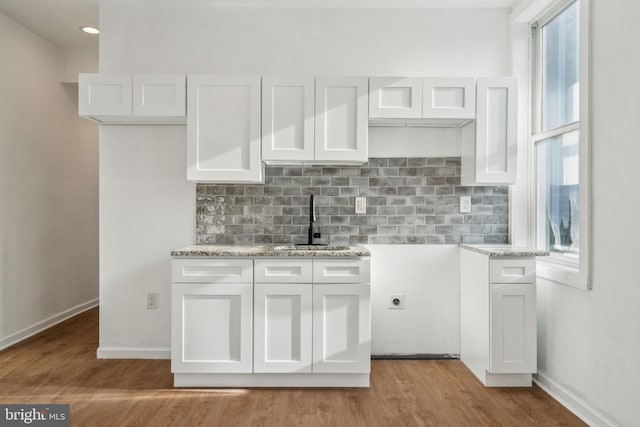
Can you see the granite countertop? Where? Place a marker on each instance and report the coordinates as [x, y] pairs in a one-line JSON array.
[[504, 250], [271, 251]]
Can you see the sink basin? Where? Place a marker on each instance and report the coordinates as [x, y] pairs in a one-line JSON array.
[[311, 248]]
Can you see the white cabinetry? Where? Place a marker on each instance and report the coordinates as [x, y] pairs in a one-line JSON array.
[[287, 118], [428, 101], [498, 318], [282, 315], [212, 305], [334, 132], [341, 328], [489, 145], [395, 97], [223, 129], [513, 328], [448, 98], [341, 316], [134, 99], [310, 324]]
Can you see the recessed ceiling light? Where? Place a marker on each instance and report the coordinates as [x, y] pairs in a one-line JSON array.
[[90, 30]]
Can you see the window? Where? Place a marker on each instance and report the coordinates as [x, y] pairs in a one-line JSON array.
[[560, 143]]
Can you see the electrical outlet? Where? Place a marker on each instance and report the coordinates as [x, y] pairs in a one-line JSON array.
[[465, 204], [361, 205], [152, 300], [396, 301]]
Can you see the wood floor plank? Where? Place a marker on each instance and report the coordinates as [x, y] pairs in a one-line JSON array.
[[60, 366]]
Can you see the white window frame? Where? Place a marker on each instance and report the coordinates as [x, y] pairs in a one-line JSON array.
[[566, 270]]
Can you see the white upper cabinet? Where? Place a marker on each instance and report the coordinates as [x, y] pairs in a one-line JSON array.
[[307, 120], [287, 118], [395, 97], [428, 101], [223, 129], [104, 95], [448, 98], [341, 126], [489, 145], [159, 95], [132, 99]]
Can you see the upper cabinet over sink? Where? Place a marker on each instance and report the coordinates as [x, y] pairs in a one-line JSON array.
[[321, 120], [423, 101], [132, 99]]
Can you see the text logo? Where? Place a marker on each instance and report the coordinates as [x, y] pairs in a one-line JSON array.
[[34, 415]]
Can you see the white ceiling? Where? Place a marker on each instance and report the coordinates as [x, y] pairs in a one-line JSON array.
[[58, 20]]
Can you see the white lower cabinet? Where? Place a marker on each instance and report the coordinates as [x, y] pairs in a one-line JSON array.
[[498, 318], [212, 327], [283, 329], [341, 328], [271, 322], [512, 328]]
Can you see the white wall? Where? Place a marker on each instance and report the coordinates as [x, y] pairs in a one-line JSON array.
[[147, 208], [48, 190], [140, 226], [76, 61], [589, 341], [428, 277]]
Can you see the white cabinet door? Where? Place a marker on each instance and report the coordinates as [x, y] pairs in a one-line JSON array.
[[223, 129], [287, 118], [395, 97], [341, 328], [489, 150], [104, 95], [341, 126], [211, 328], [159, 95], [448, 98], [282, 325], [512, 328]]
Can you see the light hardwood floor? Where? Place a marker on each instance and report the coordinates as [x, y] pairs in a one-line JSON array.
[[60, 366]]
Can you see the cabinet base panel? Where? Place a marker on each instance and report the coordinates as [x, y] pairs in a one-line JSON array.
[[507, 380], [497, 380], [270, 380]]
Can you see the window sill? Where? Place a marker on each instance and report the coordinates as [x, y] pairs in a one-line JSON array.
[[563, 272]]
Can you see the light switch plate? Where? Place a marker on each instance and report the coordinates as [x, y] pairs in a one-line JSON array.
[[361, 205], [465, 204]]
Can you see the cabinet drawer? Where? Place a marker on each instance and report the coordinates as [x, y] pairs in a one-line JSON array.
[[341, 271], [212, 271], [513, 270], [283, 270]]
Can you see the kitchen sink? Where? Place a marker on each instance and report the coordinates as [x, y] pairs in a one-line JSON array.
[[311, 248]]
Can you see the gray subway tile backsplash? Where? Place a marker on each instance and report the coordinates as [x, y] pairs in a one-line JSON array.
[[409, 201]]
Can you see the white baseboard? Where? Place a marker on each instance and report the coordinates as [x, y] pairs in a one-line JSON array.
[[134, 353], [27, 332], [575, 404]]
